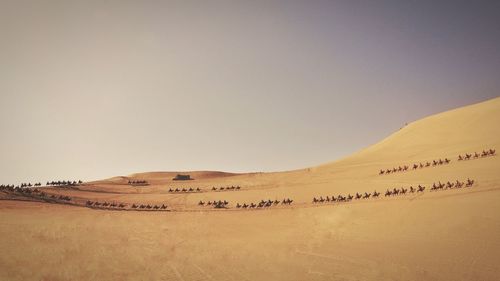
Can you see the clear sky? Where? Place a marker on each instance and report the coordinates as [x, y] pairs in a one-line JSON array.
[[94, 89]]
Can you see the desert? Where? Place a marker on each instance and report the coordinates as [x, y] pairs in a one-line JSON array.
[[439, 233]]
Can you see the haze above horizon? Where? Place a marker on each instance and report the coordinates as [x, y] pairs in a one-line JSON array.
[[94, 89]]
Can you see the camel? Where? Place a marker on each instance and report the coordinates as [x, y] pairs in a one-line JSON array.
[[388, 193], [415, 166], [492, 151], [376, 194], [367, 195], [476, 155], [358, 196], [460, 158], [412, 190], [201, 203], [469, 183], [163, 206]]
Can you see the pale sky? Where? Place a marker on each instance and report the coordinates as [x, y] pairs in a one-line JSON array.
[[95, 89]]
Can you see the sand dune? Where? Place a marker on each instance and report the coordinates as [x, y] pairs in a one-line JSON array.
[[443, 235]]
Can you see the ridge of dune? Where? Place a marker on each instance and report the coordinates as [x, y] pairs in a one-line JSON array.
[[464, 129]]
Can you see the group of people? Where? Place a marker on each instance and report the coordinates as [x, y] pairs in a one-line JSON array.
[[138, 182], [265, 203], [192, 189], [452, 185], [403, 190], [415, 166], [23, 185], [347, 198], [262, 204], [222, 188], [122, 206], [215, 204], [485, 153], [64, 183], [184, 190]]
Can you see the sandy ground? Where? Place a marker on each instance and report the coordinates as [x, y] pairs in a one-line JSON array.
[[443, 235]]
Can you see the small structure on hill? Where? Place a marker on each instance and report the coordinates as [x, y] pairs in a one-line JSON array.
[[180, 177]]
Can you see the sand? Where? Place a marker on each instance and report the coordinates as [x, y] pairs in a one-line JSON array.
[[442, 235]]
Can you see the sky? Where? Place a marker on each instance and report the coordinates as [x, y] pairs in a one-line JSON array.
[[95, 89]]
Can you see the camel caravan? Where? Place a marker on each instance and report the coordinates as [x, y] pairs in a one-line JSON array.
[[390, 192], [138, 183], [265, 204], [415, 166], [194, 190], [184, 190], [254, 205], [345, 198], [122, 206], [403, 191], [227, 188], [485, 153], [452, 185], [64, 183], [215, 204], [34, 193]]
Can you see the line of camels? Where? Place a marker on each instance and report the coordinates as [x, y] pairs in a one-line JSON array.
[[138, 182], [193, 190], [415, 166], [262, 204], [115, 205], [485, 153], [392, 192], [184, 190]]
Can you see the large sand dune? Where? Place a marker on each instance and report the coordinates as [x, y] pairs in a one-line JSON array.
[[442, 235]]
